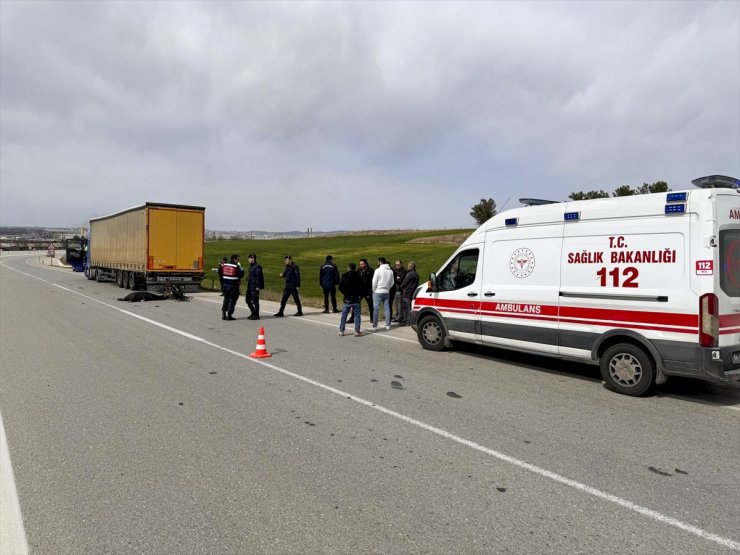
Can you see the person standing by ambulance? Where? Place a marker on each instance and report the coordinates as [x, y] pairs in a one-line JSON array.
[[408, 286], [351, 286], [255, 282], [292, 277], [382, 283], [366, 275], [233, 273], [399, 272]]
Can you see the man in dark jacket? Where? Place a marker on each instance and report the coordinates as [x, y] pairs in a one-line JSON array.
[[408, 286], [366, 275], [399, 272], [292, 277], [329, 279], [255, 283], [233, 273], [351, 287]]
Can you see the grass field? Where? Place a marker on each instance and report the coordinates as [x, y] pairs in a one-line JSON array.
[[309, 255]]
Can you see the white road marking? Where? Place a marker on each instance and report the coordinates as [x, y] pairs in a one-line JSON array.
[[29, 262], [12, 533], [650, 513]]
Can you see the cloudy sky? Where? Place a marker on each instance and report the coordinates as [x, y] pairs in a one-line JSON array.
[[356, 115]]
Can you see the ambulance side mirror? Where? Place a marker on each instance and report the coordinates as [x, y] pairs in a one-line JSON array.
[[432, 283]]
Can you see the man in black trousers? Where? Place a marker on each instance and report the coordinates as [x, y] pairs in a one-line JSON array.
[[329, 279], [255, 283], [233, 273], [292, 277]]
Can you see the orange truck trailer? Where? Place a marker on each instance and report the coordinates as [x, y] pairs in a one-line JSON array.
[[151, 246]]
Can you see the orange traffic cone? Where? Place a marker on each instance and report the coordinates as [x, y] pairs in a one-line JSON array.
[[261, 350]]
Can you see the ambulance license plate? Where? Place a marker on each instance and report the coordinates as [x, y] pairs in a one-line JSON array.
[[736, 357]]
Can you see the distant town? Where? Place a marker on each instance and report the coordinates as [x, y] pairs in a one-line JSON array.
[[34, 238]]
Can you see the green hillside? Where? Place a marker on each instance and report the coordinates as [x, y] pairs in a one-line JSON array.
[[309, 254]]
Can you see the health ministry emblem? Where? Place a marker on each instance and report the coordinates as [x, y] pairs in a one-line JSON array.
[[521, 262]]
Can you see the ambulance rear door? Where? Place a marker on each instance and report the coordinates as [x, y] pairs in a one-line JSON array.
[[727, 278]]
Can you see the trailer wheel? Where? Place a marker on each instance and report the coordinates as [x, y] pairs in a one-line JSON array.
[[119, 278], [628, 369], [96, 272], [431, 334], [128, 279]]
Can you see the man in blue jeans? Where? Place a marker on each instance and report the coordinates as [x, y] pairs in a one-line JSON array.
[[351, 286], [383, 280]]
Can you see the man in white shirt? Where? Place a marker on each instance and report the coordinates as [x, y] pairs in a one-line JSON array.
[[383, 280]]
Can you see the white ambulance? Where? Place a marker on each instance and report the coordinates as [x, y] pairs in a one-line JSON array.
[[646, 286]]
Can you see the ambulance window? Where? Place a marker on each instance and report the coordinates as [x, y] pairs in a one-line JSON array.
[[729, 262], [460, 272]]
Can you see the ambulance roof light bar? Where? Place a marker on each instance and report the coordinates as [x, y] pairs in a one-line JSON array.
[[716, 182], [677, 197], [675, 208], [537, 201]]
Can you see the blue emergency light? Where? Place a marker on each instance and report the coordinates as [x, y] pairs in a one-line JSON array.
[[676, 197], [675, 208], [511, 221], [572, 216]]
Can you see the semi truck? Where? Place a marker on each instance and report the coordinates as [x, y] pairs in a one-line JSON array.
[[151, 246]]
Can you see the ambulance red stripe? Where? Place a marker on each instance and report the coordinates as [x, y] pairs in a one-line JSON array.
[[473, 312], [663, 318], [729, 320], [569, 313]]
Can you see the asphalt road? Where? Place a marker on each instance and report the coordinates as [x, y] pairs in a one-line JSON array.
[[145, 427]]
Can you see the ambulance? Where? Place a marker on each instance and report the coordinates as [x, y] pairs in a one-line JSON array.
[[645, 286]]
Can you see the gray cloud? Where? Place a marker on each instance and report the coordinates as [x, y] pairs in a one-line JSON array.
[[356, 115]]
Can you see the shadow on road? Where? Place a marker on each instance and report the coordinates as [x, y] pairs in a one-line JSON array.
[[687, 389]]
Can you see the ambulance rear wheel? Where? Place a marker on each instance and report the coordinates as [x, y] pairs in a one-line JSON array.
[[628, 369], [431, 334]]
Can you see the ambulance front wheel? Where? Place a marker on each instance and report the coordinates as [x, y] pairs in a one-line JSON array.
[[628, 369], [431, 334]]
